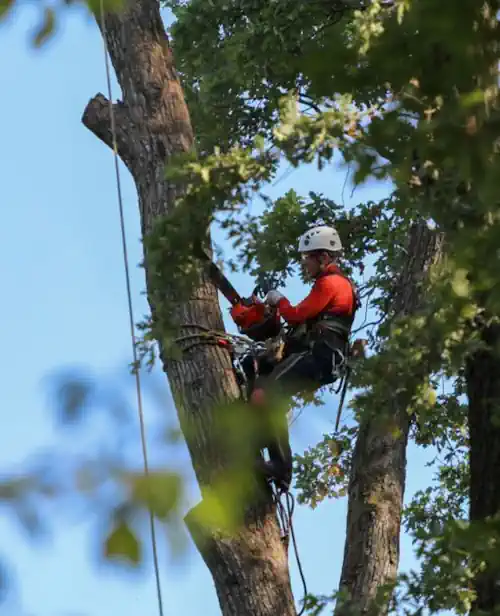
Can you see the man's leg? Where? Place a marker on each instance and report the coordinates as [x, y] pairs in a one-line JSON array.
[[290, 376], [280, 453], [272, 394]]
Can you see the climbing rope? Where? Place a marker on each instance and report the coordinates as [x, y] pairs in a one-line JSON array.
[[290, 505], [207, 336], [285, 515], [344, 384], [130, 307]]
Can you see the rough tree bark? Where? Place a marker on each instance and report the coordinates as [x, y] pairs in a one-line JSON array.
[[483, 391], [377, 482], [249, 568]]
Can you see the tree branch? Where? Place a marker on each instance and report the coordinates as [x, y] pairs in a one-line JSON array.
[[135, 36], [96, 118]]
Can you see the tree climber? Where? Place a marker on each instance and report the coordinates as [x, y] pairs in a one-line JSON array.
[[316, 346]]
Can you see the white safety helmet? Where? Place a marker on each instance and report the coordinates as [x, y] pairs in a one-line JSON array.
[[320, 238]]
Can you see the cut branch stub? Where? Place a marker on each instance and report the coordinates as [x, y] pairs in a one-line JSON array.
[[249, 566]]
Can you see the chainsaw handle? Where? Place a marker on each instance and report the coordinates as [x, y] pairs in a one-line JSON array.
[[246, 301], [250, 301], [259, 291]]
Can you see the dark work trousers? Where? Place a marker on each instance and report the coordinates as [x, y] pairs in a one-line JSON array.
[[299, 372]]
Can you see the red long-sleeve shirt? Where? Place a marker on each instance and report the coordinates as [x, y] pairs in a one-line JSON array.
[[330, 294]]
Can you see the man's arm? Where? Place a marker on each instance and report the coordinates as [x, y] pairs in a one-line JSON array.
[[321, 295]]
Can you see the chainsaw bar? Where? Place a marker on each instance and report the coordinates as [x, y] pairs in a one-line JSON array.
[[218, 278]]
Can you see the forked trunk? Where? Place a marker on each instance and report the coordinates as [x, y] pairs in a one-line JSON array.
[[377, 482], [249, 568]]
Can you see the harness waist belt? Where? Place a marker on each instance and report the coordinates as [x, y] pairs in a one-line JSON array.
[[336, 322]]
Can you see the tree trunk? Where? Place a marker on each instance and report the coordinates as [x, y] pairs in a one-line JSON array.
[[250, 566], [483, 391], [377, 482]]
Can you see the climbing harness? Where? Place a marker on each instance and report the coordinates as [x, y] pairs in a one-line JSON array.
[[130, 308], [244, 351], [342, 370], [355, 350]]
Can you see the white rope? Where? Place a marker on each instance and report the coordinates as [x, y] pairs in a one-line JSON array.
[[130, 307]]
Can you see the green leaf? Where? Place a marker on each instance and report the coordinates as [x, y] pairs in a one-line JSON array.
[[215, 513], [460, 283], [73, 397], [46, 28], [122, 544], [160, 492], [5, 8], [205, 174], [109, 5]]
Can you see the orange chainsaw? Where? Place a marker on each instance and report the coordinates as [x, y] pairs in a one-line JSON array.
[[257, 321]]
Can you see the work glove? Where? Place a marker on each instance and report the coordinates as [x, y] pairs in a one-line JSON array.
[[250, 301], [273, 297]]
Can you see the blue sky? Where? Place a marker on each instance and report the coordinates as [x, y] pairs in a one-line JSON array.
[[64, 306]]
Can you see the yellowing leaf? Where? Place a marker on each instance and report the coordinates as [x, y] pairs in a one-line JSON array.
[[160, 492], [460, 284], [122, 544], [468, 311], [431, 397], [473, 98], [213, 514]]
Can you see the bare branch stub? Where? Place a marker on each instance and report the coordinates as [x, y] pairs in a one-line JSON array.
[[96, 118]]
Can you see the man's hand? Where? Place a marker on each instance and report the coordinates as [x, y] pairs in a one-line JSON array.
[[273, 297], [250, 301]]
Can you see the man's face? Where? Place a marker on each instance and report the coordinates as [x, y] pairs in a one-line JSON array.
[[311, 264], [314, 262]]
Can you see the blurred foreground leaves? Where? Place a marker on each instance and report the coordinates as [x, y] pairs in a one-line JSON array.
[[50, 14], [93, 470], [270, 81]]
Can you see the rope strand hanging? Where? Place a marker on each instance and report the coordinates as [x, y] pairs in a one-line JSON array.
[[130, 306], [285, 516]]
